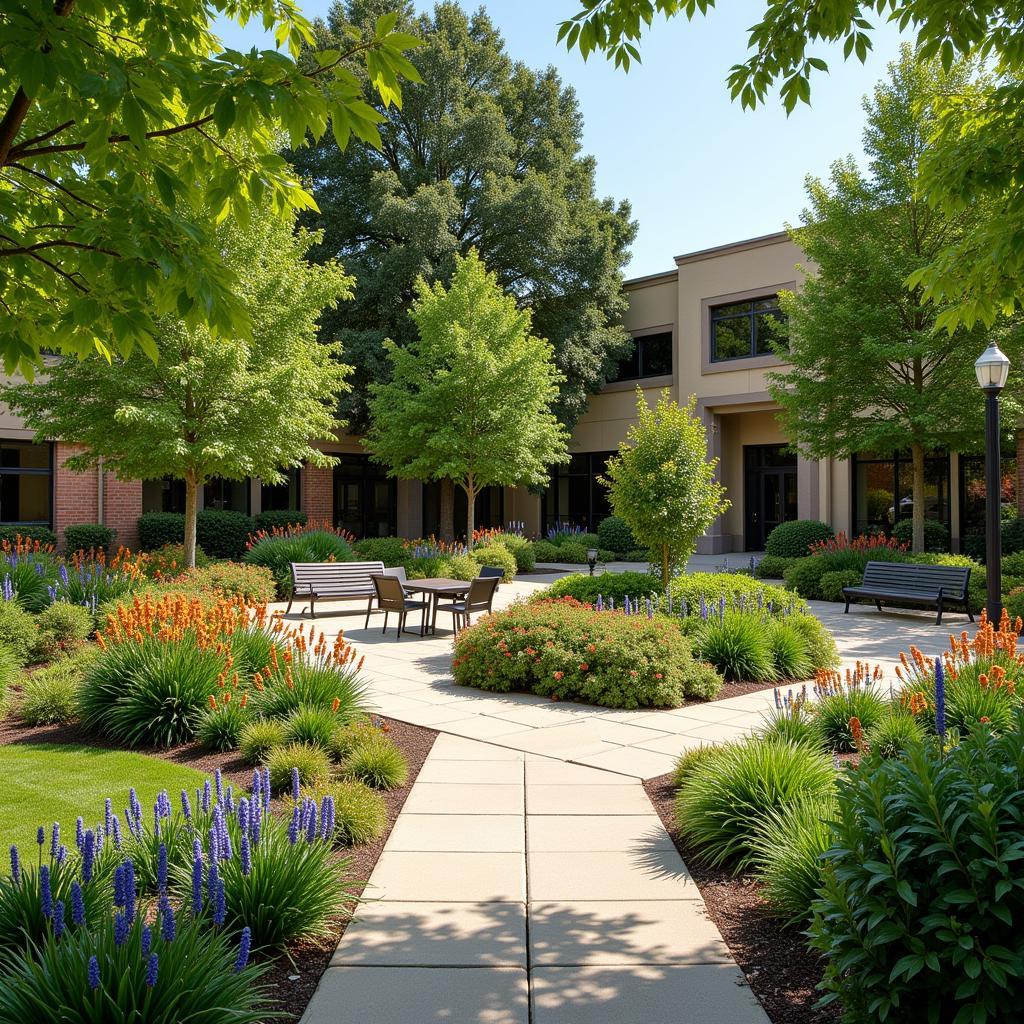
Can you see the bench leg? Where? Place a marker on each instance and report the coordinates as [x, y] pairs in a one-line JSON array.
[[846, 610], [385, 629], [369, 608], [289, 608], [970, 614], [312, 607], [938, 617], [878, 605]]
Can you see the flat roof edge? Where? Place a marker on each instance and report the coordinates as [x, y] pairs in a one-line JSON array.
[[720, 250]]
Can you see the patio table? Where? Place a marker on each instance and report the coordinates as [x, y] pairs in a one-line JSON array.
[[435, 588]]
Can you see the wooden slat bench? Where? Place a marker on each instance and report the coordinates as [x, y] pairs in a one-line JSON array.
[[321, 581], [903, 583]]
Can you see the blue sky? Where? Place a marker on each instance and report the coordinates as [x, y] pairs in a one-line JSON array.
[[698, 170]]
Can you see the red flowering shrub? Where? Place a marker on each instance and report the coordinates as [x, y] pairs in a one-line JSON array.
[[570, 651]]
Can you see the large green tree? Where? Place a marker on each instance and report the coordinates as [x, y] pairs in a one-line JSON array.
[[485, 153], [869, 369], [231, 407], [127, 132], [977, 147], [470, 400]]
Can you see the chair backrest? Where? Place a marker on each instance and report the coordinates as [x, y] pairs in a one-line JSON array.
[[924, 579], [398, 571], [481, 593], [489, 571], [335, 579], [390, 595]]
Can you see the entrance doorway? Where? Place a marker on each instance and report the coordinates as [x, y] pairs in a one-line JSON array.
[[769, 489]]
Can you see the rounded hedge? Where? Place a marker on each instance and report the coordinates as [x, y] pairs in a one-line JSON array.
[[88, 537], [280, 518], [936, 536], [794, 539], [499, 556], [615, 535]]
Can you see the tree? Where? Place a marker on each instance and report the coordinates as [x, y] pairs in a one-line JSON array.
[[125, 135], [977, 152], [231, 407], [484, 153], [869, 369], [662, 482], [470, 401]]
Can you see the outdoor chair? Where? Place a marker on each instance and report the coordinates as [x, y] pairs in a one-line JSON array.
[[491, 572], [392, 598], [398, 571], [478, 599]]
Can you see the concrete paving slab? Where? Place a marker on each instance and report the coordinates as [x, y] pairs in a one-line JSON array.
[[458, 748], [587, 799], [464, 798], [643, 764], [556, 833], [480, 833], [550, 771], [448, 877], [477, 772], [638, 874]]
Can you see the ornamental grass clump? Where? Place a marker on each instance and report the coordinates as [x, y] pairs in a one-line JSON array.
[[49, 696], [738, 645], [842, 698], [258, 738], [377, 762], [312, 724], [360, 813], [277, 548], [223, 722], [310, 765]]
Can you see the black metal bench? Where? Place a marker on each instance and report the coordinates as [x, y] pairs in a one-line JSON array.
[[906, 583], [335, 581]]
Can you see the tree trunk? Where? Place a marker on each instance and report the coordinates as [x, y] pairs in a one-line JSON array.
[[917, 495], [447, 511], [664, 568], [470, 490], [191, 496]]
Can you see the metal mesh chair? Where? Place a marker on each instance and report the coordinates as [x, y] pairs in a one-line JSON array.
[[479, 598], [392, 598]]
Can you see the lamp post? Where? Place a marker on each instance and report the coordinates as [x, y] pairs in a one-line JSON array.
[[992, 369], [592, 559]]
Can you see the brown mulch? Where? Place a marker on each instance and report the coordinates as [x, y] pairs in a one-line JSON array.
[[779, 968], [291, 978]]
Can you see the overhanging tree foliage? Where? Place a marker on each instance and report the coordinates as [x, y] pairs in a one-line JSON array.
[[485, 153], [125, 133], [470, 400], [870, 372], [228, 407]]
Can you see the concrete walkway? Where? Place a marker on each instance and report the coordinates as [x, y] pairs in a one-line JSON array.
[[517, 888]]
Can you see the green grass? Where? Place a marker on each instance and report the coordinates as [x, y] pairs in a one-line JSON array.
[[47, 782]]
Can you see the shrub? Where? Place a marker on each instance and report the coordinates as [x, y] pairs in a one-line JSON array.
[[1013, 565], [571, 553], [1012, 534], [615, 586], [545, 551], [637, 555], [894, 735], [497, 555], [833, 713], [280, 517], [772, 567], [919, 908], [521, 548], [346, 738], [936, 536], [312, 684], [157, 529], [615, 535], [41, 535], [687, 762], [721, 805], [1014, 603], [313, 764], [821, 645], [28, 578], [804, 575], [222, 724], [277, 550], [49, 696], [794, 539], [460, 567], [253, 583], [378, 763], [792, 723], [222, 533], [831, 584], [789, 649], [389, 550], [314, 724], [18, 630], [788, 846], [736, 588], [63, 628], [258, 738], [562, 649], [738, 645], [88, 537], [360, 813], [420, 567], [169, 561]]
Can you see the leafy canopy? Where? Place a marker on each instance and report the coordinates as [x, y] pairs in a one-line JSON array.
[[662, 482], [485, 153], [125, 134], [470, 400]]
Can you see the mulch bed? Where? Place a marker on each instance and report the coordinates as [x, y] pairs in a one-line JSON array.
[[779, 968], [293, 977]]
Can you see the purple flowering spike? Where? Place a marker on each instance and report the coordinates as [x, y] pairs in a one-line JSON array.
[[256, 826], [703, 609], [940, 699], [327, 818], [136, 807], [161, 868], [152, 966], [600, 603], [229, 799], [77, 904], [214, 844], [40, 835], [246, 855], [146, 941], [88, 854], [311, 822], [117, 832], [119, 886], [243, 814], [293, 827], [15, 866], [650, 609], [167, 925], [98, 833], [62, 854], [45, 892], [79, 833], [55, 839], [296, 789], [206, 797], [121, 929], [108, 814], [94, 973], [244, 944], [628, 606], [58, 919], [219, 906]]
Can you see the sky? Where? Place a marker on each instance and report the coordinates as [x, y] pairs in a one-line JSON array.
[[697, 169]]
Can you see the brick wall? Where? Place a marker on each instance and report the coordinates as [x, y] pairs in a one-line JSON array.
[[318, 492], [76, 499]]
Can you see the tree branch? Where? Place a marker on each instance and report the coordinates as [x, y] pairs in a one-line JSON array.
[[29, 250], [56, 184]]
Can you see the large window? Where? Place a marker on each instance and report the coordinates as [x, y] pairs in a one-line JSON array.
[[274, 497], [163, 495], [972, 493], [365, 498], [26, 483], [488, 511], [883, 490], [228, 495], [575, 496], [740, 330], [652, 357]]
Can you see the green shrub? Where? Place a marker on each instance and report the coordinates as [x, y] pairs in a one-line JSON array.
[[1013, 565], [29, 578], [703, 681], [793, 724], [222, 724], [312, 685], [615, 535], [88, 537], [460, 567], [615, 586], [894, 734], [360, 813], [571, 553], [18, 630], [253, 583], [936, 536], [281, 518], [168, 561], [346, 738], [821, 645], [63, 628], [222, 533], [43, 534], [545, 551], [312, 762], [723, 802], [420, 567], [521, 548], [738, 645], [314, 724], [258, 738], [789, 649], [157, 529], [637, 555], [735, 587], [378, 763], [562, 649], [49, 696], [804, 575], [833, 714], [278, 551], [794, 539], [1014, 603], [687, 762], [831, 584], [772, 567], [497, 555], [389, 550], [1012, 536], [920, 903], [788, 847]]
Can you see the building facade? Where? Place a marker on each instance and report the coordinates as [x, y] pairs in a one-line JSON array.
[[703, 328]]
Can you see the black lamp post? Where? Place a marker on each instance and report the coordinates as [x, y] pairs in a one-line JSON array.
[[992, 369], [592, 559]]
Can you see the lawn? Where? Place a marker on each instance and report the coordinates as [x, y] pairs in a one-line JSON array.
[[44, 783]]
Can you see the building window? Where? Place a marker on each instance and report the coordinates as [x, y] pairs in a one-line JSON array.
[[365, 497], [282, 497], [488, 510], [164, 495], [652, 357], [228, 495], [575, 496], [972, 493], [740, 330], [26, 483], [883, 490]]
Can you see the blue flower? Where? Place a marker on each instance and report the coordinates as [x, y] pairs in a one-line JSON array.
[[206, 796], [45, 892], [121, 928], [152, 965], [117, 832], [244, 944], [186, 807], [327, 813], [265, 788], [167, 927], [243, 814], [58, 919], [161, 868], [88, 854], [40, 835], [94, 973], [219, 907], [296, 789], [77, 904], [108, 814], [293, 826], [15, 865], [311, 822], [147, 939], [246, 855]]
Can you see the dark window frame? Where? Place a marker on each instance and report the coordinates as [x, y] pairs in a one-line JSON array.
[[552, 515], [899, 460], [641, 342], [47, 471], [364, 475], [265, 488], [750, 315]]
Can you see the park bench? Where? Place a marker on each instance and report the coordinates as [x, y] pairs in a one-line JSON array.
[[903, 583], [321, 581]]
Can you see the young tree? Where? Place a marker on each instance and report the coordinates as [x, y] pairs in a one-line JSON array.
[[486, 154], [470, 401], [870, 371], [125, 133], [662, 482], [230, 407]]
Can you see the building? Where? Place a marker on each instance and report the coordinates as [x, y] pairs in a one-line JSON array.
[[701, 329]]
